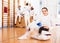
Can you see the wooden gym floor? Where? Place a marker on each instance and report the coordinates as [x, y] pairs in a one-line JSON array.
[[10, 35]]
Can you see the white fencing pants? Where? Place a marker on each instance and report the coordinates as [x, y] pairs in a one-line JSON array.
[[16, 16], [27, 20], [41, 37]]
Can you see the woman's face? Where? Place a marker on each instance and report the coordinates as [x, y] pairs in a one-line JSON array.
[[45, 12]]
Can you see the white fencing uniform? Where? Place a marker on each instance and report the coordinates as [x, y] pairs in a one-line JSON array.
[[33, 25], [46, 21], [27, 15], [18, 13], [42, 36], [32, 13]]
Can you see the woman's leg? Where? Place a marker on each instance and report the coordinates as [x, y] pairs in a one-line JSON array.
[[43, 28]]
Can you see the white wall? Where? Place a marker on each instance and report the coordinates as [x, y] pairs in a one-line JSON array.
[[0, 13], [53, 11], [52, 6], [58, 8]]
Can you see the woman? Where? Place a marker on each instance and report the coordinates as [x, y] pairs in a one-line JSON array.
[[39, 29]]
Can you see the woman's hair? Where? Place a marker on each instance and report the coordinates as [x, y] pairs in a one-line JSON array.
[[45, 8], [26, 4]]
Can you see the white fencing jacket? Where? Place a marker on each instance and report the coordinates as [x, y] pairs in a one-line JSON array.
[[46, 20]]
